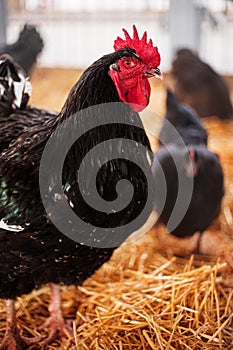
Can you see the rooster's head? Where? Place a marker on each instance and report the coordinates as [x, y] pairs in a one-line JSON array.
[[138, 62]]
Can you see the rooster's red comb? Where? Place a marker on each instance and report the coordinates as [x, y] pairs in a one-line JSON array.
[[145, 50]]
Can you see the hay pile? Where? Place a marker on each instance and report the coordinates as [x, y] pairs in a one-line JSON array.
[[141, 300], [152, 302], [144, 298]]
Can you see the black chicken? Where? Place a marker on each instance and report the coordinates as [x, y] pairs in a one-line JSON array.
[[181, 125], [40, 253], [188, 178], [189, 188], [26, 49], [198, 85]]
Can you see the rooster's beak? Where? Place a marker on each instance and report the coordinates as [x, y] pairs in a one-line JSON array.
[[156, 72]]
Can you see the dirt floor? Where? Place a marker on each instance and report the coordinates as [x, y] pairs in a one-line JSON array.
[[145, 298]]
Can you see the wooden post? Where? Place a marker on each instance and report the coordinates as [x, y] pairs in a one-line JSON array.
[[185, 24], [3, 17]]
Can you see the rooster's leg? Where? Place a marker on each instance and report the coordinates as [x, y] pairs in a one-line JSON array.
[[13, 340], [56, 321]]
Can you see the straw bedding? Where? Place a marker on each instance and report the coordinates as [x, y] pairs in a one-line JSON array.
[[145, 297]]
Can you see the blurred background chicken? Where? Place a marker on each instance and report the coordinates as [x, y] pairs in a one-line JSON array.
[[26, 49], [190, 199], [200, 86], [188, 178], [181, 124]]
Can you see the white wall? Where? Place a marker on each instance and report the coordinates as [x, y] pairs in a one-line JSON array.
[[77, 39]]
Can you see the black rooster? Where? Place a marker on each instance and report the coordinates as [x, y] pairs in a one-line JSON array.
[[198, 85], [181, 125], [189, 188], [39, 253], [26, 49]]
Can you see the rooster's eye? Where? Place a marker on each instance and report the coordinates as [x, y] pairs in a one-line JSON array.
[[129, 63]]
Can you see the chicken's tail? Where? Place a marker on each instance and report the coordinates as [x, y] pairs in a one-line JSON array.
[[15, 88]]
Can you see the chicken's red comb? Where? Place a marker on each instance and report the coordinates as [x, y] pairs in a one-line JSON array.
[[145, 50]]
